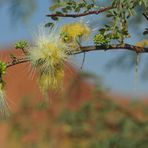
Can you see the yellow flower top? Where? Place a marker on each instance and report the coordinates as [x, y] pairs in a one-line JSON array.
[[143, 43], [72, 31], [48, 56], [54, 53]]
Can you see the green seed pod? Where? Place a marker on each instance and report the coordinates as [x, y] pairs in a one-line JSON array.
[[3, 67], [100, 39], [21, 45]]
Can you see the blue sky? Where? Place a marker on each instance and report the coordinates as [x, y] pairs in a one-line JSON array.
[[117, 81]]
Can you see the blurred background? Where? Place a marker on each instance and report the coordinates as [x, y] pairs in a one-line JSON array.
[[106, 108]]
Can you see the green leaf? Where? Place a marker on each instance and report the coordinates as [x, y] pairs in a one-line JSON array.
[[59, 12], [145, 32], [77, 9], [55, 18], [68, 7], [56, 6], [64, 10], [49, 25]]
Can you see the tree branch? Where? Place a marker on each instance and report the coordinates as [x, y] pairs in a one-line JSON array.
[[91, 48], [17, 61], [81, 14], [113, 47]]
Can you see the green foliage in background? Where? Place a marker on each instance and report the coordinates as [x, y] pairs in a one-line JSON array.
[[98, 122], [101, 125]]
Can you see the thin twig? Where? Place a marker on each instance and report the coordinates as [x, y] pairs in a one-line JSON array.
[[83, 60], [145, 16], [81, 14], [18, 61]]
